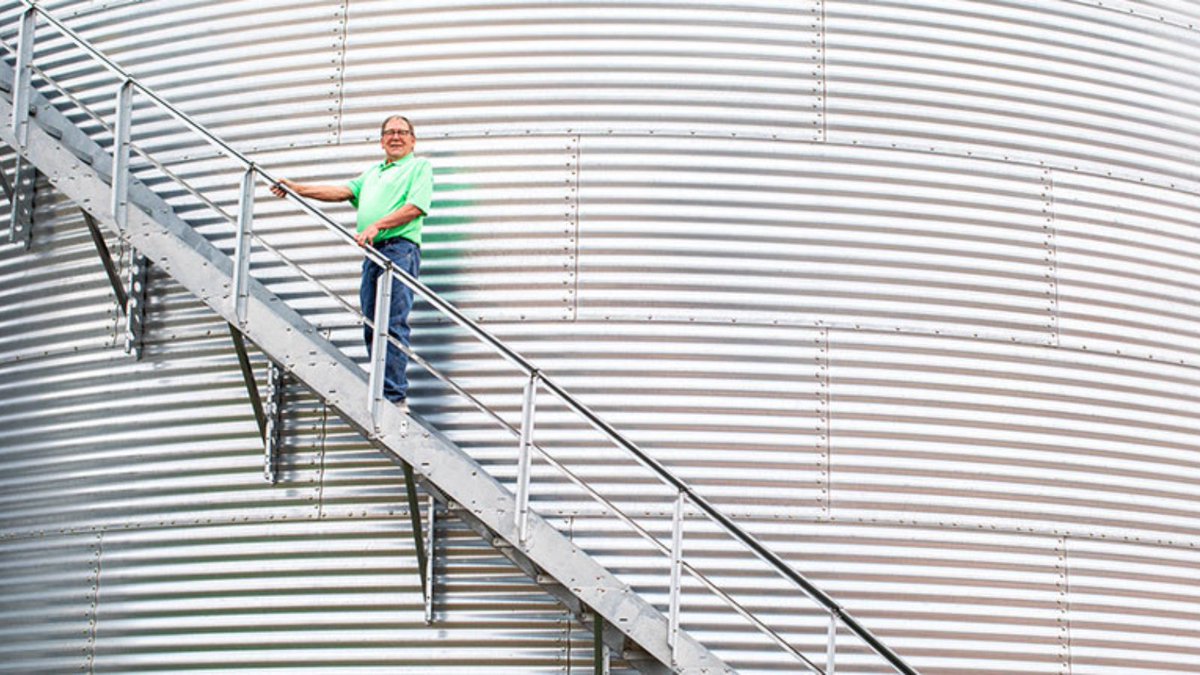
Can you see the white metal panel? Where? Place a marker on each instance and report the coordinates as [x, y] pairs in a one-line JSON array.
[[1128, 282], [1071, 85], [1027, 438], [47, 617], [771, 232], [336, 595], [39, 315], [261, 74], [704, 66], [1133, 608], [90, 436]]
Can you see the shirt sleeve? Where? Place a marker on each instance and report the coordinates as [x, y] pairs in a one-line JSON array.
[[420, 192], [355, 186]]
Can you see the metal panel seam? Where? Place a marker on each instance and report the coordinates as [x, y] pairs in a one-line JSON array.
[[824, 432], [1176, 21], [1179, 184], [578, 138], [94, 619], [1066, 609], [823, 74], [1052, 244], [341, 85]]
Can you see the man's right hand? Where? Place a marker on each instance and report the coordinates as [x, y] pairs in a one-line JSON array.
[[323, 193], [277, 189]]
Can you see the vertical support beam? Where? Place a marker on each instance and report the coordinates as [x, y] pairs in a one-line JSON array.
[[110, 268], [431, 550], [23, 87], [135, 304], [239, 346], [676, 568], [831, 646], [120, 172], [600, 658], [414, 514], [241, 256], [379, 344], [21, 217], [272, 434], [528, 409]]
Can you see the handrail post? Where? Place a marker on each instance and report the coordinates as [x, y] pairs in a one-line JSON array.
[[676, 568], [120, 172], [241, 256], [528, 407], [23, 87], [600, 652], [379, 343], [831, 646]]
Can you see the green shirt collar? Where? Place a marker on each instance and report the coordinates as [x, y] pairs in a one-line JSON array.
[[385, 165]]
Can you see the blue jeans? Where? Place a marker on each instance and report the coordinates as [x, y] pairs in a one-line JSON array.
[[406, 256]]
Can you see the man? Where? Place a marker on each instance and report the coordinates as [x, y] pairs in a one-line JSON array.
[[392, 199]]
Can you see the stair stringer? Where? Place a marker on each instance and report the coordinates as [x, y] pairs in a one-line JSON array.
[[80, 169]]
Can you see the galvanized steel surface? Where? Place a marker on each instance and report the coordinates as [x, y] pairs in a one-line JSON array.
[[906, 287]]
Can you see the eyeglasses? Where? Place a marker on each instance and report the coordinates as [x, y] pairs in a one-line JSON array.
[[397, 132]]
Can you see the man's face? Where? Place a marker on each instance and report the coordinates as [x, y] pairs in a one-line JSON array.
[[397, 140]]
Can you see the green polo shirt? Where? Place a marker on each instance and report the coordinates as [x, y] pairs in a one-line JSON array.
[[387, 187]]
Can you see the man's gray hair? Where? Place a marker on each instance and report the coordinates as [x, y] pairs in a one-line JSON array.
[[383, 126]]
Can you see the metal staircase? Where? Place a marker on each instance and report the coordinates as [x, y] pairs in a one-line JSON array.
[[100, 182]]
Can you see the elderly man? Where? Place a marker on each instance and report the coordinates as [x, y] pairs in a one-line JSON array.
[[392, 199]]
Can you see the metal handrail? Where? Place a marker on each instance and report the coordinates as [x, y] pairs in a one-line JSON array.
[[684, 492]]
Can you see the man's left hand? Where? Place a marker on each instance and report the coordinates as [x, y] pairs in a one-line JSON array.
[[367, 236]]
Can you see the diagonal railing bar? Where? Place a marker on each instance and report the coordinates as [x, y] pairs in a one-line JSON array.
[[685, 492]]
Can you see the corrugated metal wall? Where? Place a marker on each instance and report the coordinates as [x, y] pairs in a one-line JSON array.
[[909, 288]]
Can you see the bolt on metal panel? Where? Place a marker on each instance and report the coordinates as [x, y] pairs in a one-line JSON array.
[[24, 190], [135, 309]]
